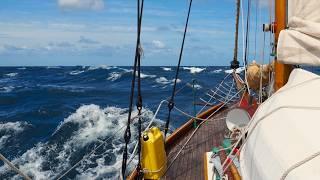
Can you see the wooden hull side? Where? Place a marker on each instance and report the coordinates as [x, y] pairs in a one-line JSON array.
[[180, 134]]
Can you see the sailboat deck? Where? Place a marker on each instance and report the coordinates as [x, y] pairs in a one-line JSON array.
[[190, 162]]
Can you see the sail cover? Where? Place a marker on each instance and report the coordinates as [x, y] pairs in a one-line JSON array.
[[283, 138], [300, 43]]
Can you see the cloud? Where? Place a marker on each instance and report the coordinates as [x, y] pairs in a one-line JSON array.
[[81, 4], [158, 44], [85, 40]]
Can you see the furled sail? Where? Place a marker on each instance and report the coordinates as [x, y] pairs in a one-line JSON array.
[[283, 134], [300, 43]]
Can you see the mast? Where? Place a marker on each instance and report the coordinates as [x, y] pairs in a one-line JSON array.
[[282, 71]]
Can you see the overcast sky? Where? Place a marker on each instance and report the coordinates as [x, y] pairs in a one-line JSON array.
[[95, 32]]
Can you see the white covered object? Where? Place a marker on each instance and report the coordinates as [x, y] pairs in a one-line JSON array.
[[300, 43], [285, 130]]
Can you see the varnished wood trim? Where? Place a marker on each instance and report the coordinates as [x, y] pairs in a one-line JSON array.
[[282, 71], [180, 132], [205, 167]]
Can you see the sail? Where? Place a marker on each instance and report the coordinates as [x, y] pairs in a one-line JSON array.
[[300, 42], [284, 133]]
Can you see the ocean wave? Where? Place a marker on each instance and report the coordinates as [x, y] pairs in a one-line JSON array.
[[126, 70], [194, 70], [166, 68], [165, 81], [238, 71], [53, 67], [70, 88], [22, 68], [114, 76], [11, 74], [146, 75], [101, 67], [196, 86], [6, 89], [76, 72], [117, 75], [9, 130], [217, 71], [80, 132]]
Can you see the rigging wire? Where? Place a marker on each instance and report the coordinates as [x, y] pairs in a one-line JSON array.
[[256, 29], [197, 128], [235, 62], [127, 134], [95, 149], [247, 32], [171, 101], [243, 47], [139, 98]]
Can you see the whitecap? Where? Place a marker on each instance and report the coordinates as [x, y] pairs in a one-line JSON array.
[[217, 71], [76, 72], [238, 71], [114, 76], [194, 70], [87, 126], [11, 74], [9, 130], [6, 89], [165, 81], [126, 70], [22, 68], [166, 68], [100, 67], [196, 86], [146, 76]]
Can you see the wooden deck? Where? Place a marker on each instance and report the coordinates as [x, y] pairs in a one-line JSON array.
[[190, 162]]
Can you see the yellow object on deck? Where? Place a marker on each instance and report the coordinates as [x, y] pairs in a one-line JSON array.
[[154, 159]]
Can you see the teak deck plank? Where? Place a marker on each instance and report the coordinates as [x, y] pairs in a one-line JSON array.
[[189, 164]]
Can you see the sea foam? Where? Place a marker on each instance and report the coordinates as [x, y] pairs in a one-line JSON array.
[[11, 74], [9, 130], [194, 70], [81, 132]]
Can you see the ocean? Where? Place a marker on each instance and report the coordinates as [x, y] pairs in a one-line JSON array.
[[51, 117]]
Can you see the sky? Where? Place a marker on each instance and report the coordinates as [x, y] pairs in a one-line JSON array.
[[96, 32]]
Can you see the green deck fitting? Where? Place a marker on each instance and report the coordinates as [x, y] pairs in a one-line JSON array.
[[226, 143], [215, 150]]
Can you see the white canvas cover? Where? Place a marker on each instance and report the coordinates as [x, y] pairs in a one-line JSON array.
[[300, 43], [285, 130]]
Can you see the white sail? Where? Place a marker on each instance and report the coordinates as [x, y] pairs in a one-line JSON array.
[[284, 133], [300, 43]]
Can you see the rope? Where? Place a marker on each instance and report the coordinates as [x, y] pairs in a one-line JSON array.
[[220, 84], [298, 164], [194, 103], [13, 167], [127, 134], [255, 125], [243, 48], [199, 127], [133, 154], [139, 98], [171, 102], [261, 69], [235, 62], [94, 150], [247, 33]]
